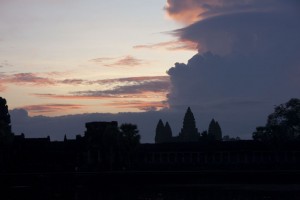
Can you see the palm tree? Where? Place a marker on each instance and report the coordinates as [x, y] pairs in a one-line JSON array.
[[130, 140]]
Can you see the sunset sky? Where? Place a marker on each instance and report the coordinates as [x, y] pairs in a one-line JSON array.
[[63, 57], [231, 60]]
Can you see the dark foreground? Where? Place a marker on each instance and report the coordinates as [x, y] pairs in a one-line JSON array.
[[153, 185]]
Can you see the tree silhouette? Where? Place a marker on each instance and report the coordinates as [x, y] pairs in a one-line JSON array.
[[282, 125], [130, 135], [5, 127], [102, 140], [130, 139]]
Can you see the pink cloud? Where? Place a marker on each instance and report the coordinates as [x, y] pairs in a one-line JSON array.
[[127, 61], [129, 87], [141, 105], [102, 59], [29, 78], [123, 61], [184, 45], [39, 79], [2, 88], [51, 108], [137, 79], [134, 87], [186, 12], [73, 81], [191, 11], [66, 96]]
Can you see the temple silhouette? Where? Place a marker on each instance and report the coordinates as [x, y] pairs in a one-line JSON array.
[[106, 146], [189, 132]]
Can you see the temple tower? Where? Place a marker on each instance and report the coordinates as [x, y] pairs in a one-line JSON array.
[[214, 130], [163, 132], [189, 132]]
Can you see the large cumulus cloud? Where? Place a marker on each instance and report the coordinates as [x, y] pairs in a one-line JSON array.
[[250, 33], [189, 11], [248, 60]]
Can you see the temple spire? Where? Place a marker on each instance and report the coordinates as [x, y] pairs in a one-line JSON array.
[[163, 132], [159, 132], [214, 130], [168, 131], [189, 132]]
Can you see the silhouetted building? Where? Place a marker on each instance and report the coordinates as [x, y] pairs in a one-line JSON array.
[[106, 147], [219, 155], [168, 131], [214, 130], [101, 149], [189, 132], [95, 131], [163, 133], [101, 140]]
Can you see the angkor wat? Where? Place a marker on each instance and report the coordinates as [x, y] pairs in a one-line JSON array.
[[107, 147], [189, 132], [111, 157]]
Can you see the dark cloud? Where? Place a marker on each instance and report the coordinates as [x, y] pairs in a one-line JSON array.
[[190, 11], [248, 61], [129, 87], [128, 90], [136, 80], [246, 33], [54, 78], [73, 81], [151, 88], [264, 47], [71, 125], [234, 26]]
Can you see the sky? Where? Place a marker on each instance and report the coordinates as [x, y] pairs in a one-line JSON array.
[[67, 62], [67, 57]]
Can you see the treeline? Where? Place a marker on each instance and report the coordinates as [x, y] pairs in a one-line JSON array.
[[282, 125]]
